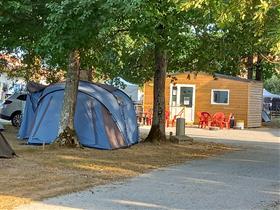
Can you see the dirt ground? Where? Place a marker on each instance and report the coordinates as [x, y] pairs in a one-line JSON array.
[[40, 173]]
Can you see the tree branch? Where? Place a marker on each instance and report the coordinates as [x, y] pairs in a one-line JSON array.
[[270, 61]]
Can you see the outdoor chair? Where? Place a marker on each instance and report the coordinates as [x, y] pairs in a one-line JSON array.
[[218, 120], [148, 117], [204, 119], [167, 118], [227, 121]]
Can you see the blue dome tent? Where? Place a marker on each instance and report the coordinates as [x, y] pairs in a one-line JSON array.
[[105, 116]]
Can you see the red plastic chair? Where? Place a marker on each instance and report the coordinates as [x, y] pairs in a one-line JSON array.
[[167, 118], [205, 119], [227, 121], [218, 120], [148, 116]]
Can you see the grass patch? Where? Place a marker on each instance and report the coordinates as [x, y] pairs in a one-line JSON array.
[[38, 173]]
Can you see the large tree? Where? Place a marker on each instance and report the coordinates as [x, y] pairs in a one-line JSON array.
[[72, 29], [158, 33], [57, 33]]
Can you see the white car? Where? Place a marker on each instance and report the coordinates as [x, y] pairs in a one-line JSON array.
[[12, 108]]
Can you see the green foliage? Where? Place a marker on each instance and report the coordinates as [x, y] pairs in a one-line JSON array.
[[141, 25], [72, 24], [204, 35], [127, 58], [270, 69], [245, 28], [118, 37], [49, 30], [21, 29], [273, 84], [22, 24]]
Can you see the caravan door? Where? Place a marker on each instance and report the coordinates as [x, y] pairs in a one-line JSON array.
[[182, 101]]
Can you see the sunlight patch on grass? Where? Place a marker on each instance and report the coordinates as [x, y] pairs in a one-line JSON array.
[[109, 169], [70, 157], [8, 202]]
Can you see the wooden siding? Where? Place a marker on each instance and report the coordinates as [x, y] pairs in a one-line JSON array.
[[204, 83], [255, 99]]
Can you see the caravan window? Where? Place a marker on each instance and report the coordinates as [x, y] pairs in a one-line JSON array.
[[220, 96]]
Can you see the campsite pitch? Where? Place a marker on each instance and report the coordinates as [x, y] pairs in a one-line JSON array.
[[41, 173]]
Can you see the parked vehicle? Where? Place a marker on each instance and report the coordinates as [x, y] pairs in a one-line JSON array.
[[12, 108]]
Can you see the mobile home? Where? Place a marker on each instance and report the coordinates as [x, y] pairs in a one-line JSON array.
[[190, 93]]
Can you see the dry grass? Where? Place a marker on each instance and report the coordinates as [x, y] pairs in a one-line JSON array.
[[38, 173]]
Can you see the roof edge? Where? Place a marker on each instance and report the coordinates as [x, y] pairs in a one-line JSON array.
[[223, 76], [218, 75]]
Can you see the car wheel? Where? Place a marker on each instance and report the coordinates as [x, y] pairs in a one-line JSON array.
[[16, 120]]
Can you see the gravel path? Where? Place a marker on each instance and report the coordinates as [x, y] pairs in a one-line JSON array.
[[246, 179]]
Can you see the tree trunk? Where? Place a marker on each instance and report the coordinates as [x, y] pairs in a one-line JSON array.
[[250, 67], [89, 74], [157, 132], [67, 135], [259, 69]]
